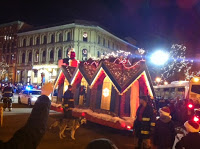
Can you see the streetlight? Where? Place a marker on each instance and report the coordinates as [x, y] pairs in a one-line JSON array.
[[158, 80]]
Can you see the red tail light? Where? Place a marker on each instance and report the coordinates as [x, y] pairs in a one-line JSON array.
[[123, 125], [190, 106], [83, 114], [196, 119]]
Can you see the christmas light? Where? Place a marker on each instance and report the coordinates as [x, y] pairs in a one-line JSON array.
[[165, 83], [190, 106], [105, 92], [196, 119]]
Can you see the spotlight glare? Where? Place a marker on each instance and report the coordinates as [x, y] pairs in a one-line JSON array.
[[159, 57]]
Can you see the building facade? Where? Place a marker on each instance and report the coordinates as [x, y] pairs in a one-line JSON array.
[[8, 47], [40, 49]]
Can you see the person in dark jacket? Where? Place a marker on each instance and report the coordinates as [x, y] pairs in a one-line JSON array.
[[192, 139], [164, 134], [101, 143], [29, 136], [143, 123], [7, 97], [68, 103]]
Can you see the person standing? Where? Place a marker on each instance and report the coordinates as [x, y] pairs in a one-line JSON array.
[[144, 123], [164, 134], [68, 103], [7, 97], [192, 139]]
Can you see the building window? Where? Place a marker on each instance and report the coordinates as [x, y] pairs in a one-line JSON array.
[[60, 38], [12, 47], [52, 38], [45, 40], [7, 59], [24, 42], [104, 41], [13, 56], [30, 57], [84, 54], [67, 53], [108, 44], [44, 56], [37, 40], [59, 54], [23, 58], [35, 73], [11, 59], [4, 48], [85, 37], [113, 45], [68, 36], [37, 56], [31, 41], [99, 39], [8, 48], [52, 55], [98, 54]]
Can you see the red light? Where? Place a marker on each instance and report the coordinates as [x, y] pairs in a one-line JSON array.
[[123, 125], [190, 106], [83, 114], [128, 127], [196, 119]]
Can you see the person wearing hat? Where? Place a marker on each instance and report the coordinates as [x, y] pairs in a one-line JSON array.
[[164, 134], [192, 139], [143, 123], [101, 143], [68, 103]]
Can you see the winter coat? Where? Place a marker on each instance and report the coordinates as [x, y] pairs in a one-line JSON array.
[[190, 141], [8, 92], [68, 100], [143, 127], [29, 136], [164, 134]]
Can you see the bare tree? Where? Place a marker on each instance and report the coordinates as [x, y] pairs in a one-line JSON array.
[[3, 68]]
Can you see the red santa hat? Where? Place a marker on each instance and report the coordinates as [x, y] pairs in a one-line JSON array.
[[192, 126], [165, 111]]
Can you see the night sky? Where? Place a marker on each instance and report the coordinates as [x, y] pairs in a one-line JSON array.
[[152, 23]]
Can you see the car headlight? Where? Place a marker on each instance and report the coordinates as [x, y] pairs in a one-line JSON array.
[[34, 98]]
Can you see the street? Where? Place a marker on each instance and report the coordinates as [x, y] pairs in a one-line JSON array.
[[17, 118]]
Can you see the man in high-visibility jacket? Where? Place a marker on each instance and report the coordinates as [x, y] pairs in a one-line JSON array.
[[143, 124], [7, 97]]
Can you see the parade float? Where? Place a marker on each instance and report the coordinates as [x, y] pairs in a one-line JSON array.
[[106, 91]]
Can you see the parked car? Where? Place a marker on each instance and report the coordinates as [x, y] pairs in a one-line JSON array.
[[28, 97]]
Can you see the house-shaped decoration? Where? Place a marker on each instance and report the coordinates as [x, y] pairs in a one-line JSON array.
[[107, 91]]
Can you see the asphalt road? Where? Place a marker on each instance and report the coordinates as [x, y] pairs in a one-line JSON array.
[[18, 116]]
